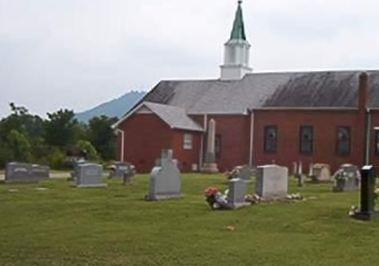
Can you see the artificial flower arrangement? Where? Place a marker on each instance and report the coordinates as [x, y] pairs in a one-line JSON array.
[[215, 198]]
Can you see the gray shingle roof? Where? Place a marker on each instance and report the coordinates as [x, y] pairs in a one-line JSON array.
[[257, 90], [175, 117]]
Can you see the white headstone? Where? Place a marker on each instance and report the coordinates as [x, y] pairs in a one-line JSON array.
[[272, 182], [321, 172]]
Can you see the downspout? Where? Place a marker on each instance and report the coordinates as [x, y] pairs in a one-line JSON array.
[[368, 137], [122, 151], [364, 113], [251, 138]]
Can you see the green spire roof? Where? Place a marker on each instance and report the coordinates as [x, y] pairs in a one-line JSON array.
[[238, 31]]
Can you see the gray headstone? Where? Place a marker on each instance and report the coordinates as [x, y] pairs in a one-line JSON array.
[[272, 182], [237, 191], [347, 178], [89, 175], [40, 171], [119, 169], [165, 180], [243, 172], [24, 172]]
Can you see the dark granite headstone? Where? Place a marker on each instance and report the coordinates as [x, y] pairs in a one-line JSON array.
[[367, 197]]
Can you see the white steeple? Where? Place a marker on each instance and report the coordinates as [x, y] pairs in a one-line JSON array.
[[236, 55]]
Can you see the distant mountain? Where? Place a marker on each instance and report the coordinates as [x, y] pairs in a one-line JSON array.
[[117, 107]]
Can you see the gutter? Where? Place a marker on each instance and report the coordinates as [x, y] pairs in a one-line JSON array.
[[251, 144], [122, 152]]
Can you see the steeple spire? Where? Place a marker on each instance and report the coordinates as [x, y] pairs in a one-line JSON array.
[[238, 31], [236, 56]]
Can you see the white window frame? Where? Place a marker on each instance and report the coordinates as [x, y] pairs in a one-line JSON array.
[[187, 141]]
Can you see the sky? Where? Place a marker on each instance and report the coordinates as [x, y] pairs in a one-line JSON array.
[[76, 54]]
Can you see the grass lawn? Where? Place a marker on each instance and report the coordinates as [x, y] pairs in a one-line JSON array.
[[115, 226]]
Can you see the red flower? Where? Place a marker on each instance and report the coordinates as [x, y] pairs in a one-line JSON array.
[[211, 191]]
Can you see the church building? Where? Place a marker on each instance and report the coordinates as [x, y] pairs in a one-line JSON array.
[[251, 118]]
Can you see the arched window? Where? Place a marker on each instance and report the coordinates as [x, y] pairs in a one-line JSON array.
[[343, 140], [306, 139], [270, 139]]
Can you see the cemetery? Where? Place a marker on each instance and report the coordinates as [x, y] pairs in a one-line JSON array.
[[249, 168], [54, 223]]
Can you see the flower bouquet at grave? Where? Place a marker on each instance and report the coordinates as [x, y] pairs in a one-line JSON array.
[[215, 198]]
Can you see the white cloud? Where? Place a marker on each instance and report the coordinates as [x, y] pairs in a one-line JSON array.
[[78, 53]]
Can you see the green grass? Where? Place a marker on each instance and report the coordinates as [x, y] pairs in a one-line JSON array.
[[115, 226]]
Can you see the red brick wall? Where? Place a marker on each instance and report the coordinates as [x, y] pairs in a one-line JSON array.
[[186, 157], [145, 137], [235, 138], [325, 125]]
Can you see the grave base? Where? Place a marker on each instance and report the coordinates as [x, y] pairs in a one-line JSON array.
[[238, 205], [163, 197], [92, 186], [273, 198], [23, 181], [365, 216], [337, 189], [210, 168]]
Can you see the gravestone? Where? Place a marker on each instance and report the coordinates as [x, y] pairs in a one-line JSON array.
[[129, 174], [321, 173], [236, 195], [119, 169], [243, 172], [89, 175], [165, 180], [40, 171], [75, 164], [347, 178], [24, 172], [272, 182], [297, 172], [210, 165], [367, 196]]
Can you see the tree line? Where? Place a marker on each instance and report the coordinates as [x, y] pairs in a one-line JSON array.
[[29, 138]]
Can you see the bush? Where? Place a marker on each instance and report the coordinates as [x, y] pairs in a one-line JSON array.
[[57, 159], [4, 155], [86, 146]]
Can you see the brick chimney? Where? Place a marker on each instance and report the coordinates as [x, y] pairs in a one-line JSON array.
[[363, 92]]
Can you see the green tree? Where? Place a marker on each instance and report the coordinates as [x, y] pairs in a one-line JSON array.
[[20, 146], [102, 137], [20, 119], [61, 129], [20, 133]]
